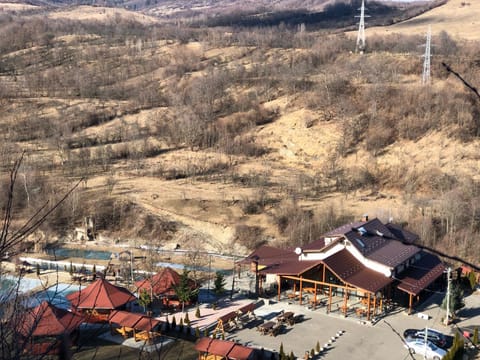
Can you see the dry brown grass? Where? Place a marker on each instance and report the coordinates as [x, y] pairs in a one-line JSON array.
[[457, 17]]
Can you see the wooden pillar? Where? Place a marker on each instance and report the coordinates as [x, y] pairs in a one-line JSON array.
[[368, 306], [260, 285], [375, 304], [410, 298], [381, 304], [279, 281], [294, 287], [329, 298], [345, 297], [314, 295], [301, 289]]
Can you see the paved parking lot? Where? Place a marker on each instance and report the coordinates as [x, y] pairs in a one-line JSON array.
[[359, 341]]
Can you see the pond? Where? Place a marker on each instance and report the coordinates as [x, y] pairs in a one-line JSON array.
[[55, 295], [64, 253]]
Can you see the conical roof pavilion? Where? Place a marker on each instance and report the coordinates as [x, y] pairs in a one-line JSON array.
[[48, 320], [162, 283], [101, 294]]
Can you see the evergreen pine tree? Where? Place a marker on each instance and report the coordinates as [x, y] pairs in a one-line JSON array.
[[219, 283], [281, 352], [197, 313], [174, 324], [475, 336], [197, 332]]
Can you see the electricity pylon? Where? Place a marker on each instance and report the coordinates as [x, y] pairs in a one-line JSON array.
[[426, 60], [361, 30]]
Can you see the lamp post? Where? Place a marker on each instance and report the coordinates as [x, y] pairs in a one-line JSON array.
[[255, 262], [449, 270]]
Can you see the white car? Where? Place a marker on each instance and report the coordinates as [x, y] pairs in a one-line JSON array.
[[430, 351]]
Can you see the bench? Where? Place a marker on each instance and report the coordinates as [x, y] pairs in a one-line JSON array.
[[124, 331], [147, 336]]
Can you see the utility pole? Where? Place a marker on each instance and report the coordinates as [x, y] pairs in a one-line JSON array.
[[131, 266], [426, 60], [449, 280], [233, 278], [360, 48]]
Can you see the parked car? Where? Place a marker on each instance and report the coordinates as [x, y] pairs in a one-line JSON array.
[[430, 351], [433, 336]]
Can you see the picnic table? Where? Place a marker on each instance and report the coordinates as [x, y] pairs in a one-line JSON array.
[[360, 311], [293, 296], [266, 327], [286, 317]]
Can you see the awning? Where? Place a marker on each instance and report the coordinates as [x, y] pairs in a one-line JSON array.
[[224, 348], [421, 274], [351, 271], [134, 321]]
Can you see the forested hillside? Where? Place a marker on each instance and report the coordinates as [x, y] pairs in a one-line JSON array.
[[226, 137]]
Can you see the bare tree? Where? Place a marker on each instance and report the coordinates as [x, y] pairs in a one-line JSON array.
[[13, 305]]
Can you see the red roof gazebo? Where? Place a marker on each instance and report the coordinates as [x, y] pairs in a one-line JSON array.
[[223, 349], [53, 324], [162, 283], [99, 298]]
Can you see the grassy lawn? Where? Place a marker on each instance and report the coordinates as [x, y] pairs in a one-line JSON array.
[[91, 347]]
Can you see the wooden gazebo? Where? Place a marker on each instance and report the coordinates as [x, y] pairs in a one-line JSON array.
[[161, 284], [99, 299], [140, 326], [47, 329], [215, 349]]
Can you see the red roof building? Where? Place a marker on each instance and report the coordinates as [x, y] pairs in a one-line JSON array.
[[162, 283], [98, 299], [366, 258], [223, 349], [46, 328]]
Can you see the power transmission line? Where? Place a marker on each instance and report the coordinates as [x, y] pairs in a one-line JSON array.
[[449, 69]]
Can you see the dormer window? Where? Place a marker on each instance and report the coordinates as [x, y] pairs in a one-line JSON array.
[[360, 242], [361, 230]]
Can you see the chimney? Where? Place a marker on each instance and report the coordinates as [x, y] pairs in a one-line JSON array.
[[365, 217]]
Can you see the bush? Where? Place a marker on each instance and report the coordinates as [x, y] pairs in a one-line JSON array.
[[197, 313]]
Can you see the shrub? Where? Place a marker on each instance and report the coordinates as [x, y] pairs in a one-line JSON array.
[[197, 313]]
